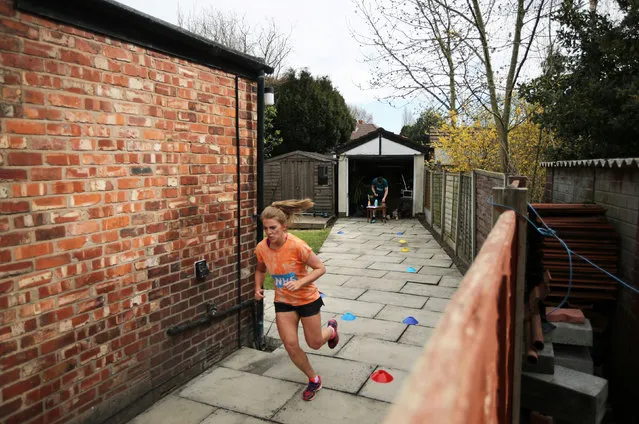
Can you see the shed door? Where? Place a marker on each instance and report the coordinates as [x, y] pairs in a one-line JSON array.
[[297, 180]]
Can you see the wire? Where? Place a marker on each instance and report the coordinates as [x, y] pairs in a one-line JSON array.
[[546, 231]]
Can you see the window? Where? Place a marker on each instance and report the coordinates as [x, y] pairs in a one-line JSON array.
[[322, 175]]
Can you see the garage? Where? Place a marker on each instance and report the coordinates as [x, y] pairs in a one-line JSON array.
[[381, 152]]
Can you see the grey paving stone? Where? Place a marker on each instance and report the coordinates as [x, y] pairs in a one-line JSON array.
[[252, 360], [383, 284], [372, 328], [332, 279], [417, 335], [398, 314], [330, 406], [448, 281], [174, 410], [356, 263], [389, 298], [340, 292], [433, 270], [377, 253], [385, 391], [438, 263], [241, 392], [359, 272], [337, 373], [381, 352], [362, 250], [357, 308], [324, 350], [382, 258], [395, 267], [436, 304], [222, 416], [416, 278], [410, 255], [428, 290], [341, 256]]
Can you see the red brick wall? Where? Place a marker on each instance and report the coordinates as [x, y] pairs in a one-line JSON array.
[[117, 172]]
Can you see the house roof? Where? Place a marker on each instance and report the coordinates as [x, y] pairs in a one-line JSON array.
[[361, 129], [594, 163], [311, 155], [385, 134], [118, 21]]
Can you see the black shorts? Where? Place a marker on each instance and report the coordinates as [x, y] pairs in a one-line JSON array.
[[307, 310]]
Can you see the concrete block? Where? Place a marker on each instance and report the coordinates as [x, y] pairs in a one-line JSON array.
[[337, 373], [574, 357], [416, 335], [546, 361], [174, 410], [380, 352], [330, 406], [222, 416], [571, 334], [567, 395], [385, 391], [397, 299], [241, 392]]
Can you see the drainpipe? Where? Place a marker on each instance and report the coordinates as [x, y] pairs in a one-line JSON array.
[[259, 325], [239, 215]]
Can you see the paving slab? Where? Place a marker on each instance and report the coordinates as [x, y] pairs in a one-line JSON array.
[[332, 279], [436, 304], [330, 406], [241, 392], [374, 273], [342, 256], [340, 292], [385, 391], [382, 284], [416, 278], [449, 281], [416, 335], [222, 416], [398, 314], [372, 328], [435, 270], [381, 352], [395, 267], [360, 309], [437, 263], [252, 360], [324, 350], [428, 290], [337, 373], [382, 258], [389, 298], [174, 410], [346, 263]]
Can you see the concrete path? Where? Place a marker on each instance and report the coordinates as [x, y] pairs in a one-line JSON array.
[[370, 276]]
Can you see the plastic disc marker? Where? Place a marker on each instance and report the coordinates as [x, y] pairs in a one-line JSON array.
[[322, 295], [381, 376], [340, 232], [402, 241], [411, 269], [410, 321], [405, 249], [401, 233], [348, 317]]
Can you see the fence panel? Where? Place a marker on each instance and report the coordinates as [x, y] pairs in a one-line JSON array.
[[450, 209], [464, 242], [469, 358], [438, 180]]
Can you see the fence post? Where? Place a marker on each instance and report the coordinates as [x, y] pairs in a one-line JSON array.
[[517, 198], [443, 205], [459, 202]]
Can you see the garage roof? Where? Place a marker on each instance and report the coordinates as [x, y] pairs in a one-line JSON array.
[[381, 142]]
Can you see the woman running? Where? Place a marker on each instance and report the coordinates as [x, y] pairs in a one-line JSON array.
[[287, 258]]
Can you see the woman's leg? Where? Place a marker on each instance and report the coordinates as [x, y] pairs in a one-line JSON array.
[[314, 334], [287, 324]]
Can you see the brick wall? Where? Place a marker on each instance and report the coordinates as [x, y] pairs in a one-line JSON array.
[[117, 172], [484, 183], [618, 190]]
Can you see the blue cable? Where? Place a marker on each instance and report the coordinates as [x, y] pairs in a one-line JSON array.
[[549, 232]]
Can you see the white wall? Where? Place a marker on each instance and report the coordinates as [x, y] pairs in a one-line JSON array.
[[418, 184], [342, 188]]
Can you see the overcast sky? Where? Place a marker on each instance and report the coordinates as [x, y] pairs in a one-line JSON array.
[[320, 38]]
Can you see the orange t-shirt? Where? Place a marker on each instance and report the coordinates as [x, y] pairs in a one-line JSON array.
[[285, 264]]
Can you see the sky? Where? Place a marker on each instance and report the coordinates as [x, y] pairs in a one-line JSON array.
[[321, 42]]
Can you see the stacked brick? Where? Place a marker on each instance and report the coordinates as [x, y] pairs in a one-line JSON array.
[[117, 171]]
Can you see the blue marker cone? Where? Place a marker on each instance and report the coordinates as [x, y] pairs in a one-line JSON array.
[[322, 295], [411, 269], [401, 233], [348, 317], [340, 232], [410, 321]]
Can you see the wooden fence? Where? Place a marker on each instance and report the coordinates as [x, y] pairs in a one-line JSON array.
[[470, 369], [456, 207]]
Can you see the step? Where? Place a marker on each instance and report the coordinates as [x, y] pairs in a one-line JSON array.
[[570, 334], [567, 395], [545, 363], [574, 357]]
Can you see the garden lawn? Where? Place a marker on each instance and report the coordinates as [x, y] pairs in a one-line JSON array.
[[314, 238]]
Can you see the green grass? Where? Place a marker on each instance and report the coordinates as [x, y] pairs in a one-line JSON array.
[[314, 238]]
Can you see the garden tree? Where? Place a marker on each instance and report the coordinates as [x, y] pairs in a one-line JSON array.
[[477, 145], [230, 30], [589, 91], [272, 136], [429, 120], [311, 114], [360, 114], [458, 54]]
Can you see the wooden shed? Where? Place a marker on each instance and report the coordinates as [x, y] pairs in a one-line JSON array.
[[297, 175]]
